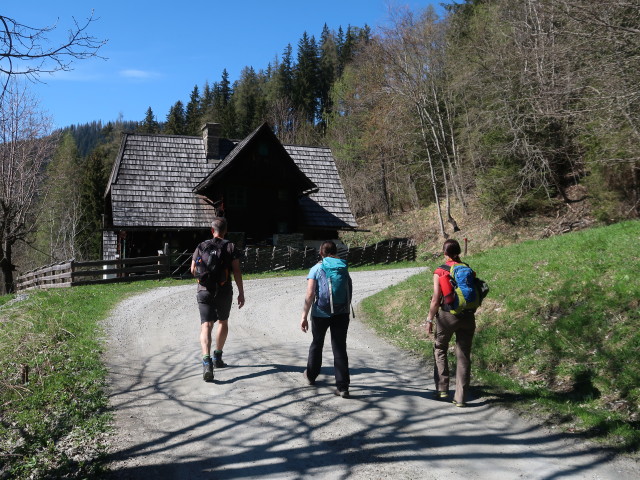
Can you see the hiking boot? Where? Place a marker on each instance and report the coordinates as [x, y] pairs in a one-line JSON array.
[[441, 395], [207, 369], [306, 377], [342, 393], [459, 404], [217, 360]]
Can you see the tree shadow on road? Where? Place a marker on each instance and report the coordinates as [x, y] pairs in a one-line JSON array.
[[280, 427]]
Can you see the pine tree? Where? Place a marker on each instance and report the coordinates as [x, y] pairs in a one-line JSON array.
[[285, 74], [249, 100], [176, 122], [92, 185], [225, 87], [223, 108], [149, 124], [328, 71], [193, 114], [206, 104], [306, 87]]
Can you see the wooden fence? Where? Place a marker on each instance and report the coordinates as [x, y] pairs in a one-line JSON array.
[[287, 258], [254, 260], [72, 273]]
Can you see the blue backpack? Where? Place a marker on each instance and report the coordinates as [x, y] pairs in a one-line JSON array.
[[334, 286], [467, 291]]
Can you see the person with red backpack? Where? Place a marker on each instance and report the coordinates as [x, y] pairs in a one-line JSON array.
[[213, 262], [328, 297], [455, 298]]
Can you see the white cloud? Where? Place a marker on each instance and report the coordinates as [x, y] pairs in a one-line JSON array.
[[138, 74]]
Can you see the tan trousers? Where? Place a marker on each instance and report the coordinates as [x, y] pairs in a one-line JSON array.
[[464, 326]]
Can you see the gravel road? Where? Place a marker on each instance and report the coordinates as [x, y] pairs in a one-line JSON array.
[[258, 419]]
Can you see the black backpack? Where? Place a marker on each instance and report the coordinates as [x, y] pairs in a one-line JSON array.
[[211, 267]]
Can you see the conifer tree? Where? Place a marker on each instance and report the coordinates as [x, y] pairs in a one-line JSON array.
[[206, 104], [149, 124], [285, 74], [193, 113], [176, 122], [225, 88], [328, 71], [223, 109], [92, 187], [249, 101], [306, 85]]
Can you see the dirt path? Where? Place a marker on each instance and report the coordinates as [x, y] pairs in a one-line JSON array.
[[259, 419]]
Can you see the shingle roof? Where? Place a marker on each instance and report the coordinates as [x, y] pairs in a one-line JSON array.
[[328, 207], [153, 181], [224, 165]]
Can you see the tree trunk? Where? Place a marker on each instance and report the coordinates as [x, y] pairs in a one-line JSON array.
[[6, 271], [385, 192]]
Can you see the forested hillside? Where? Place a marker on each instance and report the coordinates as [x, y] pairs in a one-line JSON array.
[[508, 109]]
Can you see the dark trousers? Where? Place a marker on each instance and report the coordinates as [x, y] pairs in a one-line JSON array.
[[338, 324], [463, 326]]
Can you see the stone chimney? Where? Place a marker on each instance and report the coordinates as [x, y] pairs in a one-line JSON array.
[[211, 138]]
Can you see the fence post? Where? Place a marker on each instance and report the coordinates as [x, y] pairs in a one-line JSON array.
[[160, 261], [273, 257], [72, 269]]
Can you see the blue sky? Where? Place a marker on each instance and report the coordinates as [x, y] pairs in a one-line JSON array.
[[157, 51]]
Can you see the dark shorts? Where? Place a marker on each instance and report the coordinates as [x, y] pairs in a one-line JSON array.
[[214, 306]]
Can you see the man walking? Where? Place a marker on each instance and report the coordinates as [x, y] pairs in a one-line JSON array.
[[212, 263]]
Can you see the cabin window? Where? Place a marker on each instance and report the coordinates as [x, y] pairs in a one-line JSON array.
[[263, 149]]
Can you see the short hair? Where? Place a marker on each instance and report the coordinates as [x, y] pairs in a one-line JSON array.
[[328, 248], [451, 248], [219, 225]]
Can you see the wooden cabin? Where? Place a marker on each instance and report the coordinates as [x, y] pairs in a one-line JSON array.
[[164, 190]]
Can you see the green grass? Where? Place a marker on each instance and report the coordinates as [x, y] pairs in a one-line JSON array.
[[51, 426], [54, 425], [559, 329]]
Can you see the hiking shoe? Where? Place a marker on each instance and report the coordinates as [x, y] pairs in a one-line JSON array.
[[441, 395], [207, 370], [217, 360], [306, 377], [342, 393], [459, 404]]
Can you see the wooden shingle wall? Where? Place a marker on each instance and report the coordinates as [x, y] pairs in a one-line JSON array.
[[109, 245]]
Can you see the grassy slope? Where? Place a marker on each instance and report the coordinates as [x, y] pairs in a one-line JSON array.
[[51, 427], [559, 328]]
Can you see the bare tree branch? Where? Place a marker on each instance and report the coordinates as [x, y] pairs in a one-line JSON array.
[[25, 50]]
